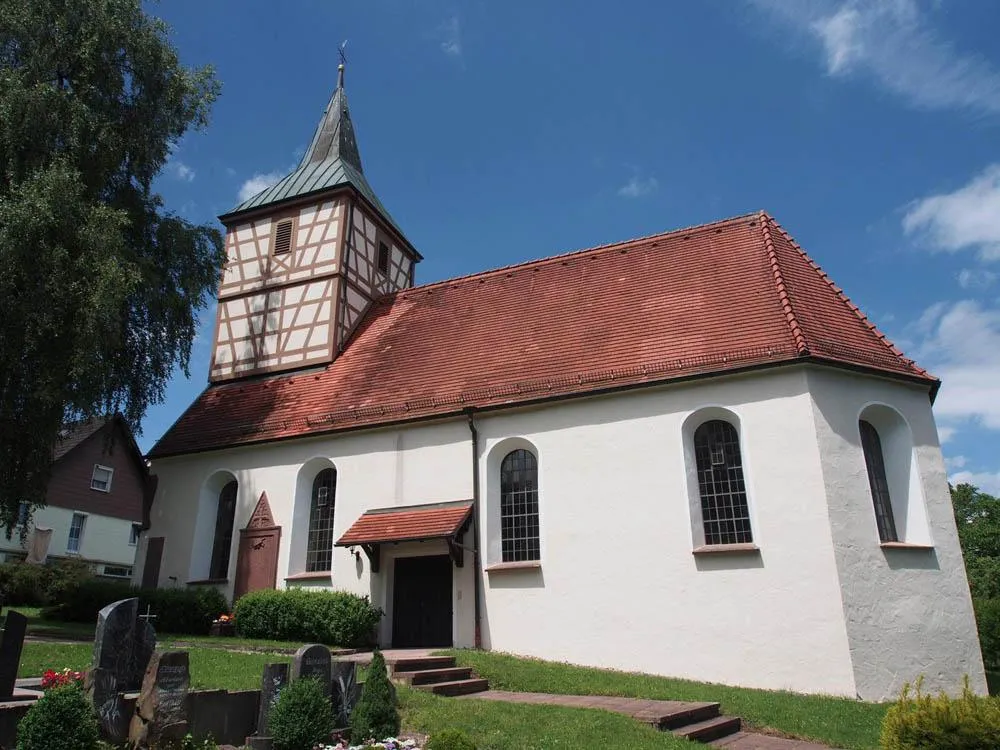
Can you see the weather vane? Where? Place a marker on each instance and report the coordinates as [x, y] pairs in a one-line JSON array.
[[342, 51]]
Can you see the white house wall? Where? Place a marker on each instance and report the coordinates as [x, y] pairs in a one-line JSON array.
[[105, 539], [908, 612], [618, 585]]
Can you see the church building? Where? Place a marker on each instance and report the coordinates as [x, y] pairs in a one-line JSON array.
[[688, 454]]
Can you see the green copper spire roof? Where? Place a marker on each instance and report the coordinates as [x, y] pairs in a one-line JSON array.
[[331, 160]]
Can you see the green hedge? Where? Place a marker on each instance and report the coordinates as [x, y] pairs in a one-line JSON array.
[[924, 722], [335, 618], [180, 611], [25, 585]]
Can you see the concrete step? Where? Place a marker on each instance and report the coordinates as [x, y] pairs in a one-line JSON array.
[[691, 713], [710, 729], [428, 676], [421, 663], [456, 687]]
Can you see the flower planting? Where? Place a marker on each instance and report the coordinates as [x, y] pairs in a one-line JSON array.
[[52, 679]]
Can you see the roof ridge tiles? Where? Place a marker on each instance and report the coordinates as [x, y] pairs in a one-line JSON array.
[[786, 303], [847, 300], [549, 259]]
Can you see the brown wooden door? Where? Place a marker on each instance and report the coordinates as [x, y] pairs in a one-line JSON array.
[[257, 560], [154, 555], [421, 602]]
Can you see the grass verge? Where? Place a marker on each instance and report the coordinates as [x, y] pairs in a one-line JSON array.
[[512, 726], [839, 722]]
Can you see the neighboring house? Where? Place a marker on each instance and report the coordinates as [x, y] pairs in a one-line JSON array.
[[94, 504], [687, 454]]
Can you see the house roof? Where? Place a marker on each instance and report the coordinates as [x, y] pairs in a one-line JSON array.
[[76, 433], [712, 299], [332, 160], [407, 523]]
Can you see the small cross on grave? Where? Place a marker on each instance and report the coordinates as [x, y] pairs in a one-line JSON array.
[[148, 616]]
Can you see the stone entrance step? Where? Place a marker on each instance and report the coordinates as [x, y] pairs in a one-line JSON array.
[[709, 729], [427, 676], [436, 674], [457, 687], [419, 663]]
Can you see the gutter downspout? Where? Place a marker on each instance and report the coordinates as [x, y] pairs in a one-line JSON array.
[[475, 526]]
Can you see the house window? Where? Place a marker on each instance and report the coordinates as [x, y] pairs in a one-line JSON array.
[[519, 539], [23, 513], [383, 258], [100, 480], [118, 571], [283, 237], [224, 518], [319, 544], [76, 533], [133, 534], [871, 444], [725, 512]]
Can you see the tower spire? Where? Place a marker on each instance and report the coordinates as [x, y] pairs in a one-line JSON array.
[[334, 137]]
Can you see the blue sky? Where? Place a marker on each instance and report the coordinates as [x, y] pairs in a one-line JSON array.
[[501, 132]]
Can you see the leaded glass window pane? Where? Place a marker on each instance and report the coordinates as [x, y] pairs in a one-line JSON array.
[[871, 444], [519, 507], [724, 508], [319, 549], [224, 519]]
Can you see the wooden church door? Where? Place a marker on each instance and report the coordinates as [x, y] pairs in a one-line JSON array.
[[257, 558]]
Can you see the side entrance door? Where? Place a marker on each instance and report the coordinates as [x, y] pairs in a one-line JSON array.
[[421, 602]]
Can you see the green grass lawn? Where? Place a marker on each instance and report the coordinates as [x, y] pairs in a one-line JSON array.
[[836, 721]]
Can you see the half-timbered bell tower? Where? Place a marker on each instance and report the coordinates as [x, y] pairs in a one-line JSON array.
[[305, 259]]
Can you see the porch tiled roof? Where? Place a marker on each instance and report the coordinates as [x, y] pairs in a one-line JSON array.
[[407, 523], [722, 297]]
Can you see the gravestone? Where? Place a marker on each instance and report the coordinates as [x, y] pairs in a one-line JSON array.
[[346, 691], [11, 643], [313, 660], [161, 714], [272, 683], [122, 647]]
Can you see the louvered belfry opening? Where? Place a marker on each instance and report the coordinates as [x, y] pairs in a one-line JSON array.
[[283, 237]]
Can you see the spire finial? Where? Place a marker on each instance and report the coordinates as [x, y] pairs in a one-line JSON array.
[[342, 51]]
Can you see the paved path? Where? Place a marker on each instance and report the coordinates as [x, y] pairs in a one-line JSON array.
[[750, 741]]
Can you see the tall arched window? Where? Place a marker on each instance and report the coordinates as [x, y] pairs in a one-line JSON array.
[[225, 516], [724, 509], [319, 543], [519, 507], [871, 444]]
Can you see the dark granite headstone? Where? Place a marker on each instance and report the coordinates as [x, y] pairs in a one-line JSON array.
[[122, 647], [313, 660], [11, 643], [273, 682], [346, 691], [161, 714]]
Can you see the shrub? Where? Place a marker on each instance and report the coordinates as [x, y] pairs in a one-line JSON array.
[[302, 717], [924, 722], [335, 618], [988, 620], [61, 718], [375, 716], [189, 611], [450, 739], [25, 585]]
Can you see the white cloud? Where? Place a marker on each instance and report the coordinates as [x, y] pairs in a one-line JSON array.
[[976, 278], [257, 183], [892, 42], [960, 343], [183, 172], [955, 462], [988, 482], [968, 218], [945, 434], [451, 41], [638, 187]]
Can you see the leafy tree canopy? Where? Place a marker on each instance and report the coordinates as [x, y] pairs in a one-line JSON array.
[[100, 285], [977, 516]]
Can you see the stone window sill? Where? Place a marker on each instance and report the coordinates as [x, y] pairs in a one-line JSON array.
[[209, 582], [905, 545], [521, 565], [319, 575], [726, 549]]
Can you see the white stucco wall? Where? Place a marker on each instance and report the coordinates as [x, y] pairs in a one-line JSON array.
[[908, 611], [618, 585], [105, 539]]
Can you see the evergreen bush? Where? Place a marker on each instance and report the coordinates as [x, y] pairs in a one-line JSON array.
[[375, 715], [302, 718], [988, 620], [62, 718], [924, 722], [334, 618], [450, 739]]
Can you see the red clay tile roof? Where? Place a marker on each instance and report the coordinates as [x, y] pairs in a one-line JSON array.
[[412, 522], [717, 298]]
